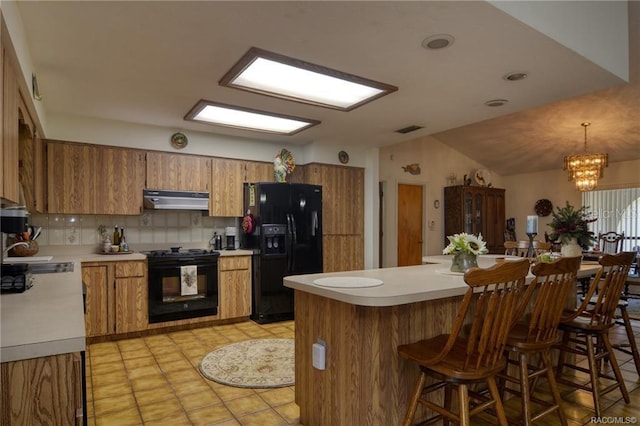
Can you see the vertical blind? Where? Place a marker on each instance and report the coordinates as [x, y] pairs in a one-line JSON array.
[[616, 210]]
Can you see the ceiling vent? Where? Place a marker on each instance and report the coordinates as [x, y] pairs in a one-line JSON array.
[[409, 129]]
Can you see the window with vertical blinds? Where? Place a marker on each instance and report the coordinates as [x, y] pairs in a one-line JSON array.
[[616, 210]]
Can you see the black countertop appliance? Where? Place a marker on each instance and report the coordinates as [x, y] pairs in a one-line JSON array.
[[283, 227]]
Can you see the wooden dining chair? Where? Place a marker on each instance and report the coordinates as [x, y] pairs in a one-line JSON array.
[[610, 242], [521, 248], [537, 334], [586, 330], [488, 309]]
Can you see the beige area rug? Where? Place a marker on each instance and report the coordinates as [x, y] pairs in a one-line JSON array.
[[259, 363]]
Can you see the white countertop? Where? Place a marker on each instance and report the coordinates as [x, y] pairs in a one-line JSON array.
[[402, 285], [47, 319]]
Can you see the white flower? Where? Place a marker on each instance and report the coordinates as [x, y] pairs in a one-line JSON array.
[[466, 243]]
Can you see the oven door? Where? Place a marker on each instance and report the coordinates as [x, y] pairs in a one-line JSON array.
[[182, 288]]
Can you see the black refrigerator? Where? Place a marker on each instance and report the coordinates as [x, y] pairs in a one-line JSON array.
[[283, 227]]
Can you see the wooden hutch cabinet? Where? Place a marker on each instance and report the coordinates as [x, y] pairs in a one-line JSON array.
[[475, 210]]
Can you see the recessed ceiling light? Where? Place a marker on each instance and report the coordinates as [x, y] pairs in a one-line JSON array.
[[247, 118], [515, 76], [438, 41], [496, 102], [288, 78]]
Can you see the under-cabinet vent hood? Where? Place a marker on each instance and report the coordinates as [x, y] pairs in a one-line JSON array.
[[158, 199]]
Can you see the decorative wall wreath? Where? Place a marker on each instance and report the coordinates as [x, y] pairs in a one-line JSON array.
[[543, 207]]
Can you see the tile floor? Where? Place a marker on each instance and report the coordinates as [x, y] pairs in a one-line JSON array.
[[155, 381]]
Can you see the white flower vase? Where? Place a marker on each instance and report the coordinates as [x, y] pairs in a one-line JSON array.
[[571, 249]]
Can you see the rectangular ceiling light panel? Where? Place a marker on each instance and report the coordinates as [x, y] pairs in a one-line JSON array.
[[276, 75], [247, 118]]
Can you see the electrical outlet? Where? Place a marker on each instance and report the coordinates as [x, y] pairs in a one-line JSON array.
[[319, 355]]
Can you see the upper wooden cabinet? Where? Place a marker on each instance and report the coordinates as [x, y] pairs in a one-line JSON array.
[[72, 178], [178, 172], [226, 187], [256, 171], [476, 210], [342, 197], [9, 183], [227, 179], [94, 179], [31, 161], [120, 181]]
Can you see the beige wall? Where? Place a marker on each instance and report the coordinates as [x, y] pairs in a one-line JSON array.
[[524, 190], [437, 161]]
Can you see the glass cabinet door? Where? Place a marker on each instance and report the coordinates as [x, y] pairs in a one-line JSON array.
[[478, 214], [468, 211]]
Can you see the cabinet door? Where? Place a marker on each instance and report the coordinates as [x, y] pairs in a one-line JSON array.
[[255, 171], [97, 286], [44, 390], [235, 287], [226, 187], [71, 178], [131, 298], [342, 253], [178, 172], [31, 161], [342, 197], [120, 178], [10, 146], [495, 220], [132, 308]]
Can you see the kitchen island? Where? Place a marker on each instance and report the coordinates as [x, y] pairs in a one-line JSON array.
[[364, 382]]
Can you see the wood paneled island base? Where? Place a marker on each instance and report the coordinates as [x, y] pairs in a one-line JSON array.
[[365, 382]]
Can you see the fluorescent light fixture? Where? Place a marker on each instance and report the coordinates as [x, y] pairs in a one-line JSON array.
[[288, 78], [247, 118]]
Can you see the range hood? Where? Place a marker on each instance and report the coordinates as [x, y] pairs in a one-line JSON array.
[[158, 199]]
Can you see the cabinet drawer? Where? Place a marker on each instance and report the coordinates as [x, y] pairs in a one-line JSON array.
[[229, 263], [130, 269]]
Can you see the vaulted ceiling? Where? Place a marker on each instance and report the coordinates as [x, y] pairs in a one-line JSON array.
[[151, 61]]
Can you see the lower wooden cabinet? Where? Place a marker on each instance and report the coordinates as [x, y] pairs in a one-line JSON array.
[[131, 297], [42, 391], [235, 286], [116, 297]]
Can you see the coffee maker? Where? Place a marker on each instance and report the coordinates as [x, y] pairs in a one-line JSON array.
[[230, 233]]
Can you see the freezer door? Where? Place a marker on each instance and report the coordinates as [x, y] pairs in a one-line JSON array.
[[305, 221], [273, 202]]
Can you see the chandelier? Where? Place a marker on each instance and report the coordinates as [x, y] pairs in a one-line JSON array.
[[585, 169]]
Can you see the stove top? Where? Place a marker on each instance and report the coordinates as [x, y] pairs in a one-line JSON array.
[[172, 253]]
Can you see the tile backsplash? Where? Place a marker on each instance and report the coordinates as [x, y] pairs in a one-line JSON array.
[[162, 228]]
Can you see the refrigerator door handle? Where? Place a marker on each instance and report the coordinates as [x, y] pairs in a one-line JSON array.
[[314, 223], [294, 242], [289, 245]]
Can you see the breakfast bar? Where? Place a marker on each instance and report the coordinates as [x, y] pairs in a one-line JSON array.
[[361, 317]]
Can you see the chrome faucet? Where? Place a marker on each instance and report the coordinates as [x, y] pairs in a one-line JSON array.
[[19, 243]]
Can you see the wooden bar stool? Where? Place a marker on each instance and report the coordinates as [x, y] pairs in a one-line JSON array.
[[585, 331], [489, 307], [539, 333], [521, 248]]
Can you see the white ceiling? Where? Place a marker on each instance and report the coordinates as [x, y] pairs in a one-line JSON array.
[[151, 61]]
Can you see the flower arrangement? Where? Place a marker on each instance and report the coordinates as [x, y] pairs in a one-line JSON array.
[[283, 165], [466, 243], [570, 223]]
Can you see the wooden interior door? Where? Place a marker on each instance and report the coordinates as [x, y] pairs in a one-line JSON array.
[[410, 221]]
